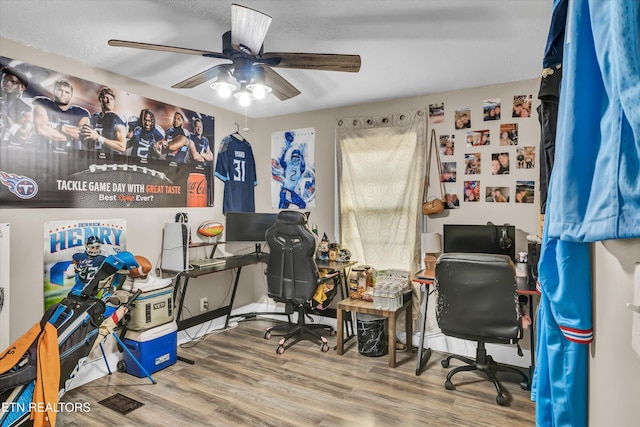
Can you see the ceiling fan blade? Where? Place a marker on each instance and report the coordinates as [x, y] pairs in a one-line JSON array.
[[313, 61], [202, 77], [248, 28], [163, 48], [281, 88]]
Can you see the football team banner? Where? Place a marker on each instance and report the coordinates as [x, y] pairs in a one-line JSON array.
[[74, 250], [66, 142]]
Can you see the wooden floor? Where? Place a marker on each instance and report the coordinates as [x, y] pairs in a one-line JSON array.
[[239, 380]]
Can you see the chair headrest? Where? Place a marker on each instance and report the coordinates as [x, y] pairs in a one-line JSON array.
[[292, 217]]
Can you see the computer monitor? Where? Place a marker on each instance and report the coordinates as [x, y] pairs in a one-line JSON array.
[[248, 227], [489, 239]]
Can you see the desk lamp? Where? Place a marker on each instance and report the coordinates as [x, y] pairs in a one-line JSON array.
[[432, 247]]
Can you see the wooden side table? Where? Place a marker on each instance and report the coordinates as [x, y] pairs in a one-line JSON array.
[[366, 307]]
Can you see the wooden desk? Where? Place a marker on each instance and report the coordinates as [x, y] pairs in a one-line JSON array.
[[366, 307]]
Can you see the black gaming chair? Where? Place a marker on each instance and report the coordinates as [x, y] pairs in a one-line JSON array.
[[478, 301], [293, 278]]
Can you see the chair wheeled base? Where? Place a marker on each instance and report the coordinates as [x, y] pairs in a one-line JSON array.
[[299, 331], [486, 364]]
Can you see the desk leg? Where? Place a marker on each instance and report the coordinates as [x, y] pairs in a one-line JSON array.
[[423, 358], [233, 297], [182, 288], [340, 336], [348, 320], [532, 341], [408, 327], [392, 340]]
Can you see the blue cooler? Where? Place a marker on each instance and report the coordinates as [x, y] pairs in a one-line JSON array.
[[155, 349]]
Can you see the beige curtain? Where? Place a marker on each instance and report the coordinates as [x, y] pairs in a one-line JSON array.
[[381, 167]]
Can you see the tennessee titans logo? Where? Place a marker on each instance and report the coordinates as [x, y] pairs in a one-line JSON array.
[[22, 186]]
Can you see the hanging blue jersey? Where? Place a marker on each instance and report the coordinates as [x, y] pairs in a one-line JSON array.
[[141, 142], [597, 166], [236, 167], [180, 155], [593, 194], [58, 117], [106, 124]]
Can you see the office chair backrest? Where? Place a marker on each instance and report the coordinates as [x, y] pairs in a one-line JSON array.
[[477, 297], [292, 273]]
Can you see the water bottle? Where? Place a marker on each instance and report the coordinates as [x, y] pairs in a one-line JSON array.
[[393, 298], [384, 298], [377, 302]]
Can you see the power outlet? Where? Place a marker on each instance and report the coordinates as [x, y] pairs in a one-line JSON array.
[[204, 304]]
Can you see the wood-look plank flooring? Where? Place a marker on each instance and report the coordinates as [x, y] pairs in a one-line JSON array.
[[239, 380]]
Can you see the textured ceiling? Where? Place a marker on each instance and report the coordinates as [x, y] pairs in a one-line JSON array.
[[407, 47]]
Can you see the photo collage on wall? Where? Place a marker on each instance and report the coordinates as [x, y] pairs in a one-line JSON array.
[[494, 141]]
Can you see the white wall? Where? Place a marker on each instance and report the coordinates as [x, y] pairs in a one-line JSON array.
[[614, 367]]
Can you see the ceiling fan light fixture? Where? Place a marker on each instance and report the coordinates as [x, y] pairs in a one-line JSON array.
[[244, 97], [223, 88], [257, 86], [259, 90]]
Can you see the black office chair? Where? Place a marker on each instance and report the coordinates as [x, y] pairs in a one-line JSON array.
[[293, 278], [478, 301]]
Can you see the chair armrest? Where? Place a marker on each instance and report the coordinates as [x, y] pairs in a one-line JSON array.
[[327, 277]]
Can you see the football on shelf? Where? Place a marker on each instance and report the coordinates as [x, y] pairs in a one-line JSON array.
[[210, 229]]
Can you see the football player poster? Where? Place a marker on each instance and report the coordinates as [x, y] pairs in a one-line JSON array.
[[293, 179], [66, 142], [73, 252]]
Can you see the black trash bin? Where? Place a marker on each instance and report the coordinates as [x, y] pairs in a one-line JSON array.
[[372, 335]]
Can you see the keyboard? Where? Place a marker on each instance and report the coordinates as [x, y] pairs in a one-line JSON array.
[[208, 262]]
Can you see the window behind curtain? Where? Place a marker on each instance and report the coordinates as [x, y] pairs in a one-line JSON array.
[[381, 167]]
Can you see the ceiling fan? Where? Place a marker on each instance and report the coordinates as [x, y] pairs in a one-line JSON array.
[[250, 67]]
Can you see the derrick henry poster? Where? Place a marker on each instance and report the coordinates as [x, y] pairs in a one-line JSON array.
[[74, 250]]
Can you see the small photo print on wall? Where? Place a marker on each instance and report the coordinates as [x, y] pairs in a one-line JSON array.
[[522, 106], [447, 145], [491, 109], [471, 191], [462, 118], [451, 200], [525, 157], [498, 194], [448, 172], [478, 137], [509, 134], [436, 113], [525, 191], [499, 163], [472, 164]]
